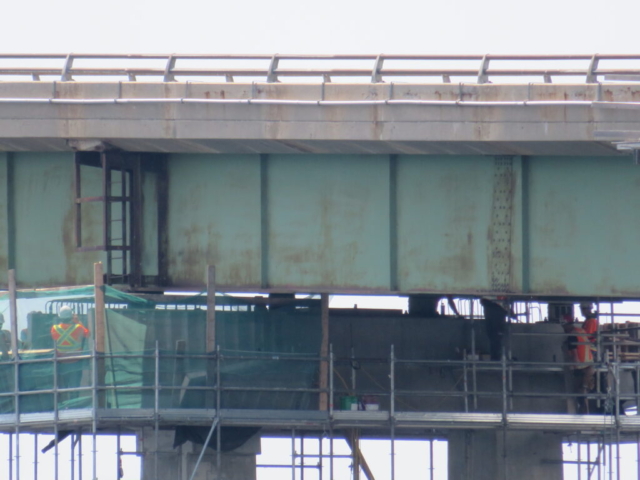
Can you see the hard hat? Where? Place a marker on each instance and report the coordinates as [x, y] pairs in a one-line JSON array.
[[65, 313]]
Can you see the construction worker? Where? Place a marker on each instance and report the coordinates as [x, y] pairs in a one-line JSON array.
[[590, 324], [5, 340], [69, 336], [580, 353], [495, 317]]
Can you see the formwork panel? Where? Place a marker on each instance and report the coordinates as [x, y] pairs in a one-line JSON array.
[[584, 224], [214, 219], [328, 222]]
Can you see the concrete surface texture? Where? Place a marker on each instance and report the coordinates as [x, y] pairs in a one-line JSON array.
[[320, 118]]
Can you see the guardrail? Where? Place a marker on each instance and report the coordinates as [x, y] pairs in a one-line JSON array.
[[481, 69]]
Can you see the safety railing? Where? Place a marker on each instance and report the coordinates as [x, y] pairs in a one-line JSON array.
[[389, 384], [481, 69]]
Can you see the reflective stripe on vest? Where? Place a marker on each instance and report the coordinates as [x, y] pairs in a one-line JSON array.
[[65, 341]]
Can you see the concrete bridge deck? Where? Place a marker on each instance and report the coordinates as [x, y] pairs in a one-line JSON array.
[[534, 119]]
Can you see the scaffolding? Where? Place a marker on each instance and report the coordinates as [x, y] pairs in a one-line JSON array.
[[373, 396]]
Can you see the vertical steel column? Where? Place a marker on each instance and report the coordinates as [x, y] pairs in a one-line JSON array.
[[156, 407]]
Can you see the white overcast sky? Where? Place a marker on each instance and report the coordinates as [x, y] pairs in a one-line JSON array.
[[330, 26]]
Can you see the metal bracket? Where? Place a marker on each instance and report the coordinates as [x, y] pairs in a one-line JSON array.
[[272, 76], [482, 73], [377, 67], [592, 76], [168, 75], [66, 69]]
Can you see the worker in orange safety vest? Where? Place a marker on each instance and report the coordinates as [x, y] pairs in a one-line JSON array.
[[69, 336], [580, 352]]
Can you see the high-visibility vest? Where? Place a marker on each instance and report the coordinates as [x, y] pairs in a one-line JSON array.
[[590, 326], [68, 337], [584, 353]]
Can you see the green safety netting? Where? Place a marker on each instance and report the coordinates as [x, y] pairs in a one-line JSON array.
[[160, 339]]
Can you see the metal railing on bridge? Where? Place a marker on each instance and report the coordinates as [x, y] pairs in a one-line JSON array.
[[480, 69]]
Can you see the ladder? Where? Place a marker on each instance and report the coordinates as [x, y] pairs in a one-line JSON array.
[[120, 213]]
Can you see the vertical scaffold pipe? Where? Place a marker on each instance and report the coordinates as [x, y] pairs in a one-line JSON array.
[[218, 411], [431, 472], [474, 365], [35, 456], [156, 407], [72, 459], [320, 467], [579, 464], [331, 450], [10, 459], [293, 454], [392, 409], [79, 454], [56, 399], [392, 379], [331, 383], [118, 454]]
